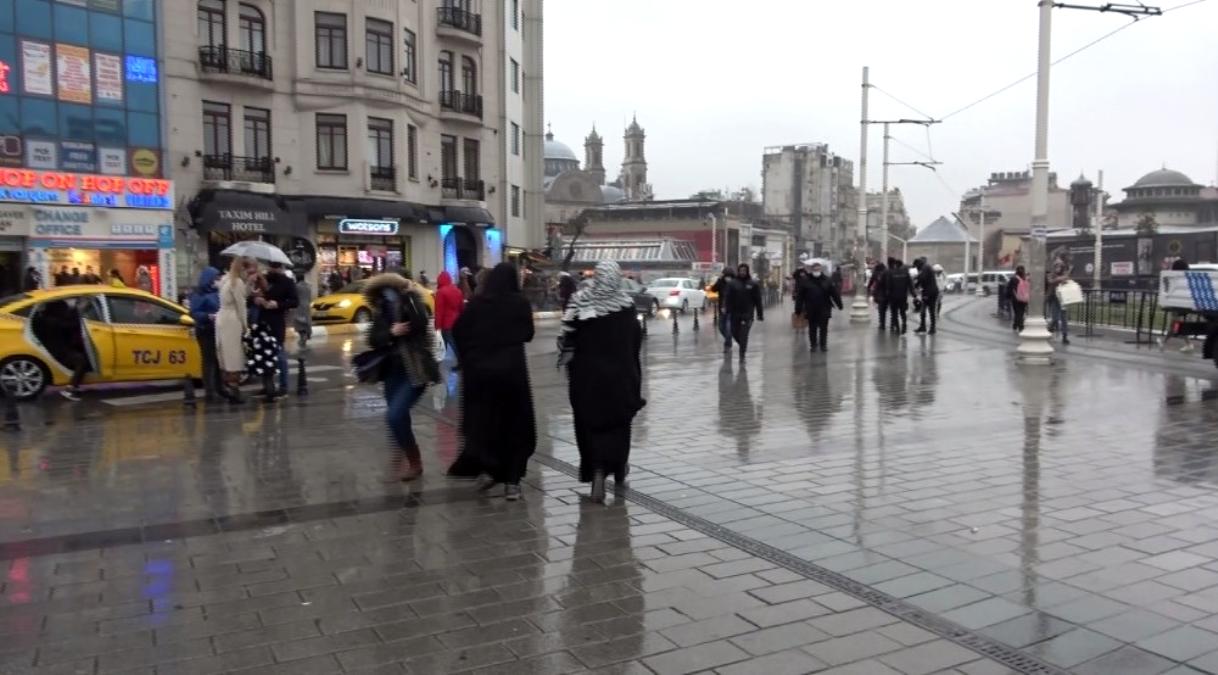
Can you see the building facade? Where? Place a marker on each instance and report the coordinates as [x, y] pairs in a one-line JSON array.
[[394, 134], [899, 224], [811, 190], [570, 189], [1170, 199], [83, 182]]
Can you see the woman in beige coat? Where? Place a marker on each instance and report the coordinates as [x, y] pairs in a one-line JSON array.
[[232, 322]]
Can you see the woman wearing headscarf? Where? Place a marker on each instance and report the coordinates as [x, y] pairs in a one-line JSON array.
[[401, 324], [601, 344], [497, 422]]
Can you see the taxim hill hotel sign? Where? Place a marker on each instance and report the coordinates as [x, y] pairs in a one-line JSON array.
[[31, 186]]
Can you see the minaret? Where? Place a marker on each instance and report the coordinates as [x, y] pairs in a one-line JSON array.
[[593, 156], [634, 166]]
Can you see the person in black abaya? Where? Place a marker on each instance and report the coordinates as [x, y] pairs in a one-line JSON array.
[[601, 342], [497, 422]]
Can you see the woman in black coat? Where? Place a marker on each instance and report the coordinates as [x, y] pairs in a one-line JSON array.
[[601, 344], [497, 421]]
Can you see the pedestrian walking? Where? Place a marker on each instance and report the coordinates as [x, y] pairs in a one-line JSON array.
[[32, 280], [449, 304], [497, 422], [274, 304], [566, 288], [720, 289], [877, 287], [402, 337], [1019, 290], [60, 329], [1058, 316], [928, 296], [743, 303], [302, 316], [601, 342], [799, 320], [900, 289], [204, 306], [231, 324], [818, 295]]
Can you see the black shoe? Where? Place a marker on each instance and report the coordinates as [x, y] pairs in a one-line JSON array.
[[932, 331], [921, 329], [597, 494], [824, 348], [1065, 340]]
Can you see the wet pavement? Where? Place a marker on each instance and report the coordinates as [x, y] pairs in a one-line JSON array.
[[907, 505]]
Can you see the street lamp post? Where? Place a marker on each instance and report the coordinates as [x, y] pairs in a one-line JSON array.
[[858, 310], [980, 249], [1034, 347], [884, 201], [1098, 228]]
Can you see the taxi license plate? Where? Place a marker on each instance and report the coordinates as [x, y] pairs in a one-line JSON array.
[[320, 315]]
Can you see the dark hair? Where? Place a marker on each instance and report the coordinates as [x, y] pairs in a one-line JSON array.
[[503, 279]]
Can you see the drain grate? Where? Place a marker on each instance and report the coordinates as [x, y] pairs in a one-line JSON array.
[[990, 648]]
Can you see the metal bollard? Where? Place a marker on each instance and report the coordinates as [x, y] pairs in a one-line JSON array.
[[12, 415], [696, 318], [188, 392], [302, 378], [675, 328]]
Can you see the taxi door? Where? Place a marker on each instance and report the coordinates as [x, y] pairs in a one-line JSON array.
[[150, 343], [100, 344]]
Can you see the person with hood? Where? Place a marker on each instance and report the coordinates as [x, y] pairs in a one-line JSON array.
[[1019, 290], [720, 288], [818, 295], [302, 318], [204, 305], [928, 290], [877, 287], [32, 280], [274, 305], [401, 326], [449, 304], [497, 422], [230, 324], [601, 341], [743, 302], [900, 288]]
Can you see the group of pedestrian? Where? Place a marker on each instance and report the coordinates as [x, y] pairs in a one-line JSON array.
[[740, 301], [892, 286], [74, 277]]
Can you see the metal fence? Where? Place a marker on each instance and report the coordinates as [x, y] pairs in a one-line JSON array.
[[1132, 310]]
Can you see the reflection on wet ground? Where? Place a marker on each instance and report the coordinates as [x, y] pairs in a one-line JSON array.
[[1065, 512]]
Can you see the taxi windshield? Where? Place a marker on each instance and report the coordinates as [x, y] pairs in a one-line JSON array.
[[353, 287]]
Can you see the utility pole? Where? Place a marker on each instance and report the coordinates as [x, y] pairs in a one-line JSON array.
[[1034, 347], [1098, 227], [980, 247], [884, 189], [858, 310]]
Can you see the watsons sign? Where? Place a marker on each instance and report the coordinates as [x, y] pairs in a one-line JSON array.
[[386, 228]]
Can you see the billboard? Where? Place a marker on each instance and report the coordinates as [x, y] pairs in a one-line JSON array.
[[74, 74], [36, 68]]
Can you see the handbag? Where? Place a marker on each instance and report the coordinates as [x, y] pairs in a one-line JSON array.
[[369, 366], [799, 321], [1069, 293]]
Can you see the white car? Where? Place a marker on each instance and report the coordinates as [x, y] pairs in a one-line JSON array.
[[677, 293]]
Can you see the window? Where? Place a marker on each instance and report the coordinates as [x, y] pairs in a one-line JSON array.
[[379, 50], [331, 38], [469, 76], [412, 152], [211, 23], [380, 142], [252, 27], [515, 201], [515, 73], [515, 139], [258, 133], [448, 156], [217, 129], [446, 71], [515, 14], [473, 160], [410, 56], [331, 141], [124, 309]]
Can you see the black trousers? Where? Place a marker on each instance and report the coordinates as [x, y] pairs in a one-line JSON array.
[[882, 306], [929, 305], [1021, 310], [211, 363], [818, 332], [79, 363], [899, 320], [740, 331]]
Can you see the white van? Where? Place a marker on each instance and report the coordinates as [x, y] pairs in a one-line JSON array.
[[991, 280]]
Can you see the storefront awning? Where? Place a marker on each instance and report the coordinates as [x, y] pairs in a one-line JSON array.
[[365, 209], [470, 215], [249, 212]]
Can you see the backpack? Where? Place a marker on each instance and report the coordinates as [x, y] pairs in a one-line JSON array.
[[1023, 291]]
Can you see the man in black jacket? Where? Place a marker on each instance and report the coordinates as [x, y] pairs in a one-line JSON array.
[[928, 288], [818, 295], [720, 288], [743, 302], [279, 299], [900, 288]]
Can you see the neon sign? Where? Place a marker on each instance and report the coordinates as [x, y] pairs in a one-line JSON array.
[[4, 69], [141, 69], [57, 187]]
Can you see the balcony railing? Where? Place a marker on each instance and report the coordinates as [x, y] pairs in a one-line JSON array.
[[221, 59], [463, 188], [459, 101], [231, 167], [383, 178], [460, 19]]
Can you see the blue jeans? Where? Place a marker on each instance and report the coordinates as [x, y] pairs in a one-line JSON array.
[[283, 369], [400, 397], [725, 328], [1059, 317]]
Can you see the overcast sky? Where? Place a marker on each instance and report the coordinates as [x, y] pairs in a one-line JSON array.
[[716, 81]]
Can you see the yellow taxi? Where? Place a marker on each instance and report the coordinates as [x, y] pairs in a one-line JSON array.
[[131, 336], [348, 305]]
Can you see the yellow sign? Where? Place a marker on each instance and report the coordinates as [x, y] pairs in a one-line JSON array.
[[145, 162]]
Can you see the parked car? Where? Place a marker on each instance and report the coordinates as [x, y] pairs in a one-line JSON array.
[[991, 280], [955, 283], [677, 293]]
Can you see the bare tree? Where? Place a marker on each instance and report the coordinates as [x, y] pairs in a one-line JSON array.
[[1147, 224], [575, 228]]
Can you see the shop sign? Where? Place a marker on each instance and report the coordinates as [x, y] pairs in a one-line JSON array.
[[56, 187], [10, 151], [1122, 269], [112, 161], [247, 220], [302, 254], [78, 156], [75, 76], [42, 154], [72, 223], [60, 222], [141, 69], [386, 228], [109, 77], [14, 221], [145, 162], [36, 68], [4, 71]]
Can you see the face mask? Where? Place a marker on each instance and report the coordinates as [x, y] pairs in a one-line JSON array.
[[817, 273]]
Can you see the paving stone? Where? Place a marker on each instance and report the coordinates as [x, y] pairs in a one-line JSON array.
[[791, 662], [853, 621], [709, 630], [928, 658], [837, 651], [1182, 644], [1125, 661], [693, 659], [779, 638]]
